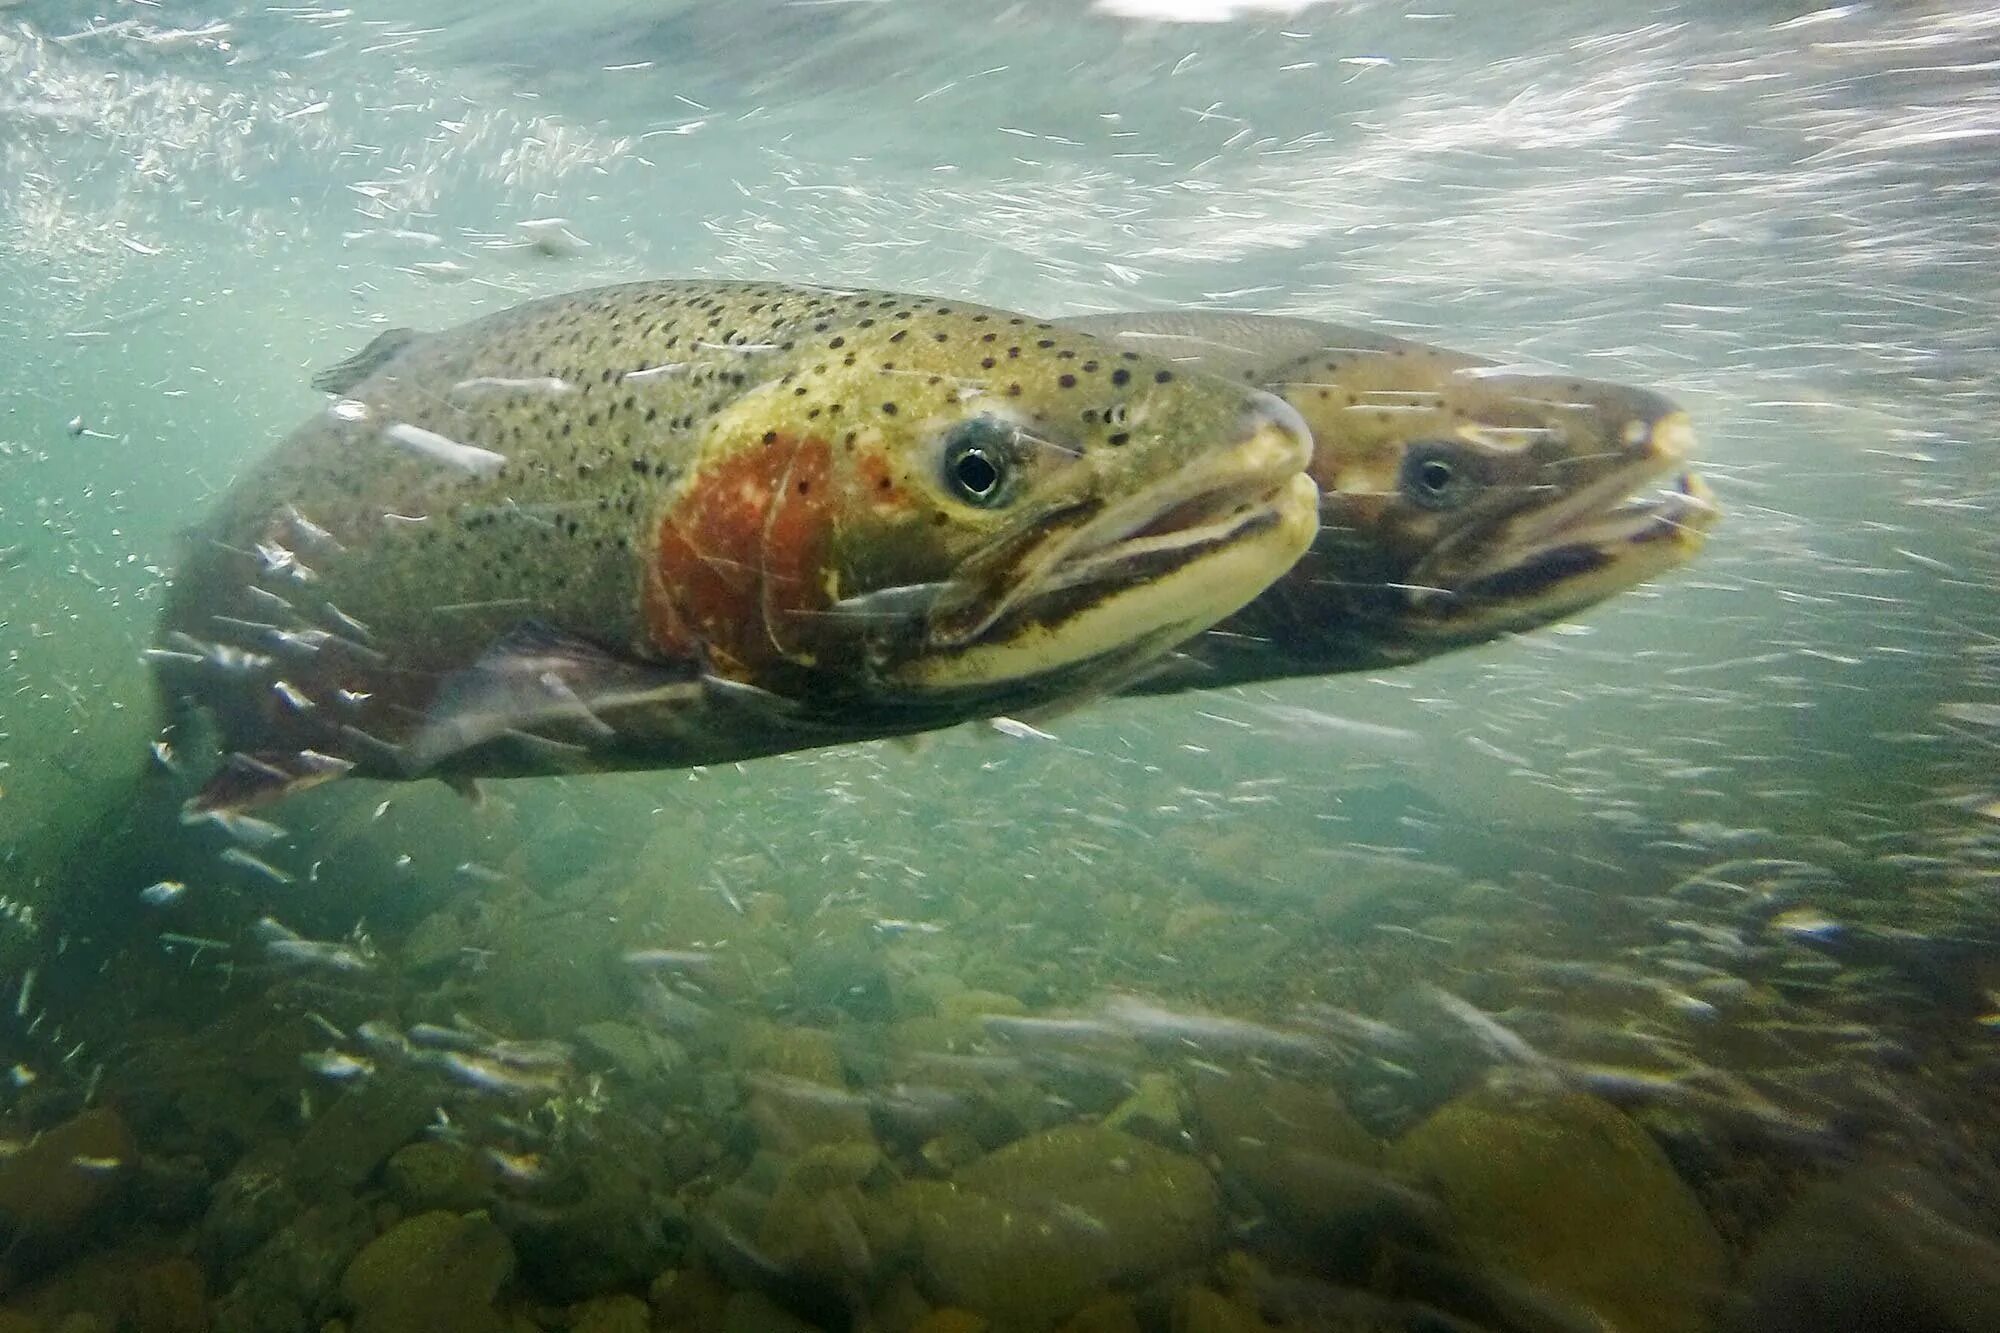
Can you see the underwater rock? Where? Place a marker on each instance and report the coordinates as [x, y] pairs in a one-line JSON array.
[[897, 1308], [427, 1176], [1153, 1112], [639, 1055], [825, 1223], [434, 1273], [844, 973], [433, 944], [1311, 1165], [1079, 1207], [1566, 1193], [797, 1094], [172, 1191], [551, 973], [1201, 1310], [249, 1205], [796, 1052], [289, 1282], [690, 1298], [971, 1006], [51, 1189], [614, 1230], [610, 1314], [355, 1134], [1109, 1314], [1884, 1249], [83, 1321], [168, 1297], [951, 1320], [922, 990], [753, 1312]]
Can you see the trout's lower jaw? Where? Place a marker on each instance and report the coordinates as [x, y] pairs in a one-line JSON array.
[[1154, 569]]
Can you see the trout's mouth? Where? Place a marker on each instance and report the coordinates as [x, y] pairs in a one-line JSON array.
[[1643, 517], [1127, 579]]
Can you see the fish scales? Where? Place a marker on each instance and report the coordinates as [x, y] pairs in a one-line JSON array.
[[638, 494]]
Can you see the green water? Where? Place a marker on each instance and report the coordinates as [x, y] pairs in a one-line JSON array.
[[1072, 1032]]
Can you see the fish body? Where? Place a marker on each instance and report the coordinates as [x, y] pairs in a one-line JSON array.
[[673, 523], [1460, 500]]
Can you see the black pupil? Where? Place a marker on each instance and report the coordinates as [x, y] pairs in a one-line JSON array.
[[1435, 475], [976, 473]]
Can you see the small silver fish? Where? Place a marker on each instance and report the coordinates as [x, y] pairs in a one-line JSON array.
[[337, 1065], [163, 893], [236, 856], [494, 1076]]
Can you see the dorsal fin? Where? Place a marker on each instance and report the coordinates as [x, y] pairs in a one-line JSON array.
[[343, 376]]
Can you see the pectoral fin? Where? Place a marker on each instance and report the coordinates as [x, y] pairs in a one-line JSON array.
[[543, 684]]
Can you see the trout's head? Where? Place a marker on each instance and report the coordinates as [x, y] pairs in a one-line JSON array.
[[1461, 501], [931, 501]]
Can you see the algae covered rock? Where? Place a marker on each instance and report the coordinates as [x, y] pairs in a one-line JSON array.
[[616, 1226], [1314, 1168], [433, 1273], [1201, 1310], [1153, 1111], [290, 1279], [823, 1223], [1564, 1191], [754, 1312], [1029, 1234], [353, 1136], [611, 1314], [50, 1189], [168, 1297], [639, 1055], [427, 1176], [1886, 1248]]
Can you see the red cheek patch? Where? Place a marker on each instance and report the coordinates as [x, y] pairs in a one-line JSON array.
[[740, 557], [879, 486]]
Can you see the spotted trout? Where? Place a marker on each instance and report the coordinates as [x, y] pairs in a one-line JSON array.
[[1459, 500], [672, 523]]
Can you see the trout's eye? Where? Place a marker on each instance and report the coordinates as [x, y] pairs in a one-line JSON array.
[[979, 461], [1437, 474]]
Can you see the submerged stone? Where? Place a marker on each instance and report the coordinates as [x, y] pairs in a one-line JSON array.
[[1028, 1235], [289, 1282], [426, 1176], [1566, 1193], [1884, 1249], [434, 1273], [610, 1314], [753, 1312], [1153, 1111], [618, 1229], [355, 1134], [639, 1055], [51, 1189], [950, 1320], [822, 1223], [1312, 1166], [1201, 1310], [168, 1297]]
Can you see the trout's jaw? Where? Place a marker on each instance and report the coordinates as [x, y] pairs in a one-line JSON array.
[[1543, 563], [1097, 588]]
